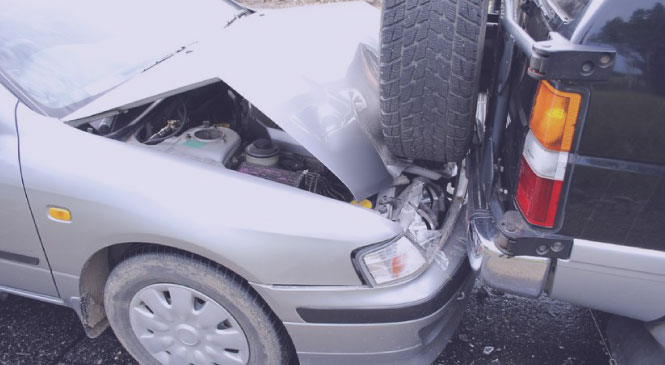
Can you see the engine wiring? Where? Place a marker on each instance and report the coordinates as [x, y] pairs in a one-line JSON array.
[[317, 183], [123, 132], [173, 127]]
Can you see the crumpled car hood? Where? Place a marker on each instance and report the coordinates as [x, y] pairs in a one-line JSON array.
[[312, 70]]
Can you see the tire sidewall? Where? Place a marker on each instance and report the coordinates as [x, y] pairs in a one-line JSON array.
[[141, 271]]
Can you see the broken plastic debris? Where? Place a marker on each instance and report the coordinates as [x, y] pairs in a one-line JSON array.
[[488, 350], [441, 259], [416, 226], [409, 212]]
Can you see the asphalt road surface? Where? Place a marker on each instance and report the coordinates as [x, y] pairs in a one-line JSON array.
[[496, 329]]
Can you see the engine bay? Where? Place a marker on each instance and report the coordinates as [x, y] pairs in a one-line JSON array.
[[215, 125]]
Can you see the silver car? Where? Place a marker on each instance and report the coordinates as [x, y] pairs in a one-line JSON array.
[[212, 182]]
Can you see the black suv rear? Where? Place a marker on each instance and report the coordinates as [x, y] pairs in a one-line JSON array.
[[567, 138]]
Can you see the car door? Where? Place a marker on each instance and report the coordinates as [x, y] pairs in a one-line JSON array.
[[23, 264]]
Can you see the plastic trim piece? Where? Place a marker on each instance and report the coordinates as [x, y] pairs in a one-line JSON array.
[[31, 295], [10, 256], [392, 314]]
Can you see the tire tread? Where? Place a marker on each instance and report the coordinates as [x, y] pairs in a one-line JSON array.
[[431, 51]]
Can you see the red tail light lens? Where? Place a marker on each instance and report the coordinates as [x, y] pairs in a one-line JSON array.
[[537, 197]]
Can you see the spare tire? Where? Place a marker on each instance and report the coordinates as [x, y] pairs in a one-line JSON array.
[[431, 55]]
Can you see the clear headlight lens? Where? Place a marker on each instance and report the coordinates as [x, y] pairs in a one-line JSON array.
[[393, 261], [409, 254]]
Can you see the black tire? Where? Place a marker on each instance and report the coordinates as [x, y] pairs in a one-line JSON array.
[[266, 336], [431, 56]]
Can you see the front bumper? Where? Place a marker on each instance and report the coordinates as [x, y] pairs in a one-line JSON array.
[[488, 242], [406, 323]]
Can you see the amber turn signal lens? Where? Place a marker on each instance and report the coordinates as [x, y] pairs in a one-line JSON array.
[[59, 214], [554, 117]]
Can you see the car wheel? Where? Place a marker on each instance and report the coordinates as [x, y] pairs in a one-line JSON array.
[[431, 56], [171, 308]]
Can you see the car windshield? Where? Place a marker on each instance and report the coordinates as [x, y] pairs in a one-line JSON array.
[[63, 54]]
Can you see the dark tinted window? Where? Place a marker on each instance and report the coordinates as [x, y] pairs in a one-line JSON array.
[[570, 8]]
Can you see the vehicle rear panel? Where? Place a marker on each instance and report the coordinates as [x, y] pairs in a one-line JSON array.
[[613, 189], [617, 192]]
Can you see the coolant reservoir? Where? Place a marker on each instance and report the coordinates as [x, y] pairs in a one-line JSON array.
[[209, 144]]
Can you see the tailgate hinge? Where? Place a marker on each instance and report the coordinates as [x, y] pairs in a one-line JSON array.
[[559, 59]]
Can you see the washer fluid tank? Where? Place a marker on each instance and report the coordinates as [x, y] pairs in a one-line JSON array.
[[208, 144]]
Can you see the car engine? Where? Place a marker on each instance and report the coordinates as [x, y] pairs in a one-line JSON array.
[[216, 126]]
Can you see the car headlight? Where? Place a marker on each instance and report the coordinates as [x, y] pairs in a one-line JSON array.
[[392, 261], [406, 255]]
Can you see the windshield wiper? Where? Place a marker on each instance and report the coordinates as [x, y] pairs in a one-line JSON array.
[[240, 14], [179, 50]]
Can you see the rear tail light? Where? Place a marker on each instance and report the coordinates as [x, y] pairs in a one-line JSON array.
[[545, 153], [537, 197]]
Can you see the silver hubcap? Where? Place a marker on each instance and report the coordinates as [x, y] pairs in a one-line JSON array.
[[180, 325]]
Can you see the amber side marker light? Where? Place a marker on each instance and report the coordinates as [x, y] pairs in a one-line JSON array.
[[59, 214], [545, 155]]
